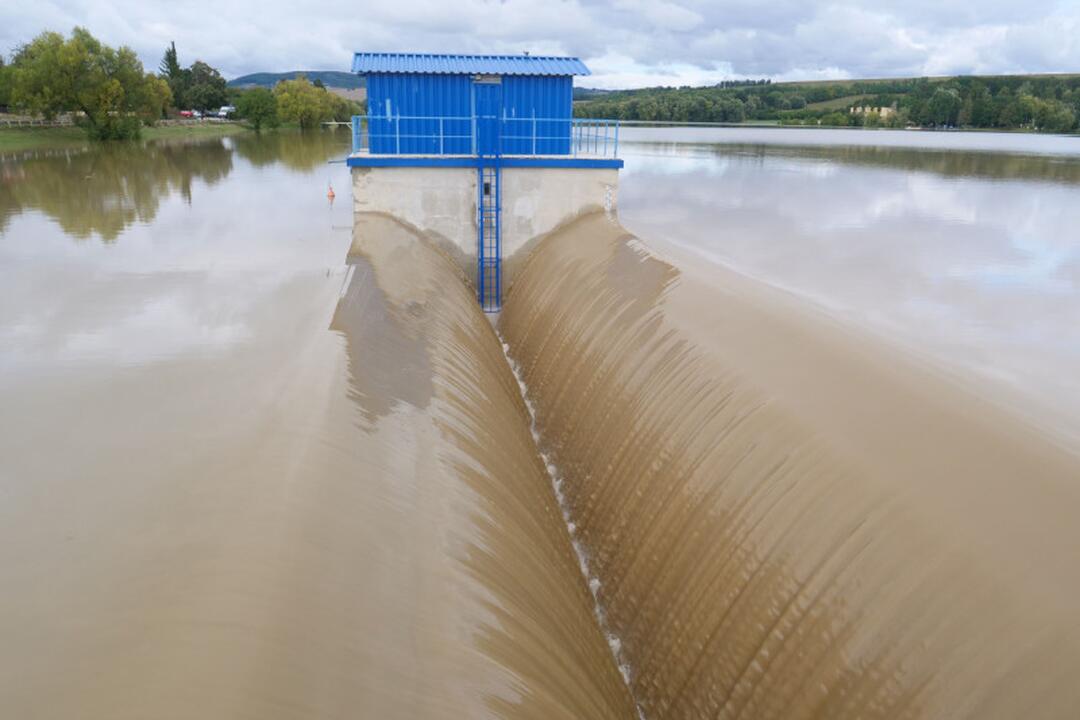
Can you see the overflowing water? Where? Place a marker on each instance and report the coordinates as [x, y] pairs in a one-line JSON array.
[[260, 457], [788, 521]]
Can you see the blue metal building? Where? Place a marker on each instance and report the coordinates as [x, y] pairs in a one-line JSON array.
[[422, 104], [483, 111]]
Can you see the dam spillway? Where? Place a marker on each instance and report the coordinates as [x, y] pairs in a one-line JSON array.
[[785, 520]]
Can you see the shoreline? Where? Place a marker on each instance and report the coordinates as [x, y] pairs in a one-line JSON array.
[[36, 138], [780, 124]]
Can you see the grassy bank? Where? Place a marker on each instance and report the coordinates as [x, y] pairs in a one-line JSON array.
[[61, 137]]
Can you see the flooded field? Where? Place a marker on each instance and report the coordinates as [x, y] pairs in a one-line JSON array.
[[797, 441]]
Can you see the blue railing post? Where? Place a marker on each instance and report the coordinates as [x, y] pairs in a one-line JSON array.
[[441, 136], [616, 151], [397, 136], [534, 132], [356, 133]]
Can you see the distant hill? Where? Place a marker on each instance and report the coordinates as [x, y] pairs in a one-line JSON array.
[[330, 78], [584, 93]]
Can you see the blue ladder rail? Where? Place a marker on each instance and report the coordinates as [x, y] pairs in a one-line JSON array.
[[489, 238]]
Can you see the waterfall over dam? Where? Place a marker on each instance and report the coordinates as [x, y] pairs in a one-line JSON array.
[[786, 520], [711, 502], [506, 627]]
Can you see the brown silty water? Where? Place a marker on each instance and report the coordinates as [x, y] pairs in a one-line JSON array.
[[382, 541], [787, 520], [781, 518]]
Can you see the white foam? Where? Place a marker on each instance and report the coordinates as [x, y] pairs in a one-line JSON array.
[[593, 582]]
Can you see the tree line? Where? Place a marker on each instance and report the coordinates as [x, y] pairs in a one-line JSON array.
[[1040, 103], [110, 94]]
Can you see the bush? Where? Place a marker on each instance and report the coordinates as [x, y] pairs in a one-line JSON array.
[[301, 102], [259, 107]]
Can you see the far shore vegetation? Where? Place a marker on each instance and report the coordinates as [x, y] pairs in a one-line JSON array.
[[1036, 103], [105, 94]]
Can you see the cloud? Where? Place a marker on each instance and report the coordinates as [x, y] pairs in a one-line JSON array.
[[626, 42]]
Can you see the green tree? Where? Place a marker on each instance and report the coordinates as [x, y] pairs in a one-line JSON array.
[[5, 83], [206, 87], [108, 87], [944, 107], [174, 75], [170, 63], [259, 107], [301, 102], [1053, 116], [341, 109], [155, 96]]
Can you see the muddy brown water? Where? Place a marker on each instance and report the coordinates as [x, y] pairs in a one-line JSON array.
[[787, 519], [260, 460]]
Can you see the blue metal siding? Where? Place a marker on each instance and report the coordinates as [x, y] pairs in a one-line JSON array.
[[537, 106], [430, 114], [366, 63], [432, 106]]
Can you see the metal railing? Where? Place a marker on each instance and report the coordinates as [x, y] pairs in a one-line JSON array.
[[486, 135]]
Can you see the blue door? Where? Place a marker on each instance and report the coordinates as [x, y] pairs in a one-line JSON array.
[[487, 105]]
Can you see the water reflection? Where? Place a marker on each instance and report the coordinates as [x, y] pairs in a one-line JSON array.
[[105, 188], [986, 142], [969, 257], [388, 359], [200, 251], [947, 163], [296, 151]]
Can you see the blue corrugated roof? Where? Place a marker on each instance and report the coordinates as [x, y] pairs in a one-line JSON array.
[[364, 63]]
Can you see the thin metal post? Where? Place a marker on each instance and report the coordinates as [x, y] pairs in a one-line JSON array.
[[355, 133], [440, 136], [480, 235], [605, 137], [534, 131], [616, 152], [397, 135]]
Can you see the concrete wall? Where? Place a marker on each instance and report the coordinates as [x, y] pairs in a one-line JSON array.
[[441, 203]]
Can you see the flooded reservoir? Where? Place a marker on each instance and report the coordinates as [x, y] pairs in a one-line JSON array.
[[792, 434]]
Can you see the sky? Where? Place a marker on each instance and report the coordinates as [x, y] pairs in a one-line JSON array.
[[626, 43]]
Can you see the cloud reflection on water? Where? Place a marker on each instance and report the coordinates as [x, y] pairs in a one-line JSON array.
[[969, 257]]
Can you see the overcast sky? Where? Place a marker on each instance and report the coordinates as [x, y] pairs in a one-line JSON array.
[[626, 43]]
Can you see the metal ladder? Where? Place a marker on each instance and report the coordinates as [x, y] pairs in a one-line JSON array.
[[489, 237]]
